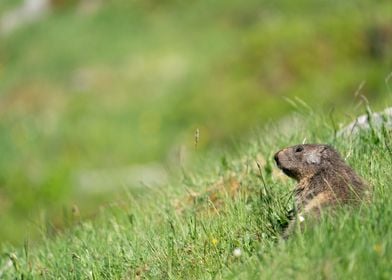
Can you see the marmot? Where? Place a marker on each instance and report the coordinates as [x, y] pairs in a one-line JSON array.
[[324, 180]]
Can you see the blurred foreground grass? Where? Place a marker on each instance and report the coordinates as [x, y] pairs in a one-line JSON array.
[[89, 91]]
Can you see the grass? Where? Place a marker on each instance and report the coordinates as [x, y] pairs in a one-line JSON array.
[[223, 220], [129, 83]]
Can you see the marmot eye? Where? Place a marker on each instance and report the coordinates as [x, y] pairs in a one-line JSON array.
[[299, 149]]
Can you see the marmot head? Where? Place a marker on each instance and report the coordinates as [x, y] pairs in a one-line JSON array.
[[302, 161]]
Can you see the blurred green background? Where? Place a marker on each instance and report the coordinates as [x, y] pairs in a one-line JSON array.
[[98, 96]]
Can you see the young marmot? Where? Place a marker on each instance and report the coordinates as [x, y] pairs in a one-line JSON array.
[[324, 180]]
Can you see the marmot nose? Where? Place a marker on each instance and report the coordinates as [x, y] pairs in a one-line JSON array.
[[276, 158]]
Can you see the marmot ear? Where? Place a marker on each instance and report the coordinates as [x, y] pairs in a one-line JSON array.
[[313, 157]]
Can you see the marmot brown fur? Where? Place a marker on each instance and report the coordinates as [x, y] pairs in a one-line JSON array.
[[324, 180]]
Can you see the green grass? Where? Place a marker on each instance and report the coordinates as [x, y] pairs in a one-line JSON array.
[[190, 228], [129, 84]]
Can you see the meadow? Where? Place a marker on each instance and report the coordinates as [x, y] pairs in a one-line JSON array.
[[224, 221], [99, 107]]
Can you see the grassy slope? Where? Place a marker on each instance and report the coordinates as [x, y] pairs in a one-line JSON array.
[[129, 83], [190, 229]]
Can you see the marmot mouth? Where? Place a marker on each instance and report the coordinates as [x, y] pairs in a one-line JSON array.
[[288, 172]]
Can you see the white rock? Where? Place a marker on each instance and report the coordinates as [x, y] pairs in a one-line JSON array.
[[29, 11], [364, 122]]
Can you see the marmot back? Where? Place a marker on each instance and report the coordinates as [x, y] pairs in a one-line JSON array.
[[324, 179]]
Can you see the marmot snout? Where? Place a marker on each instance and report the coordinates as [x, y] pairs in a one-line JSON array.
[[324, 179]]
